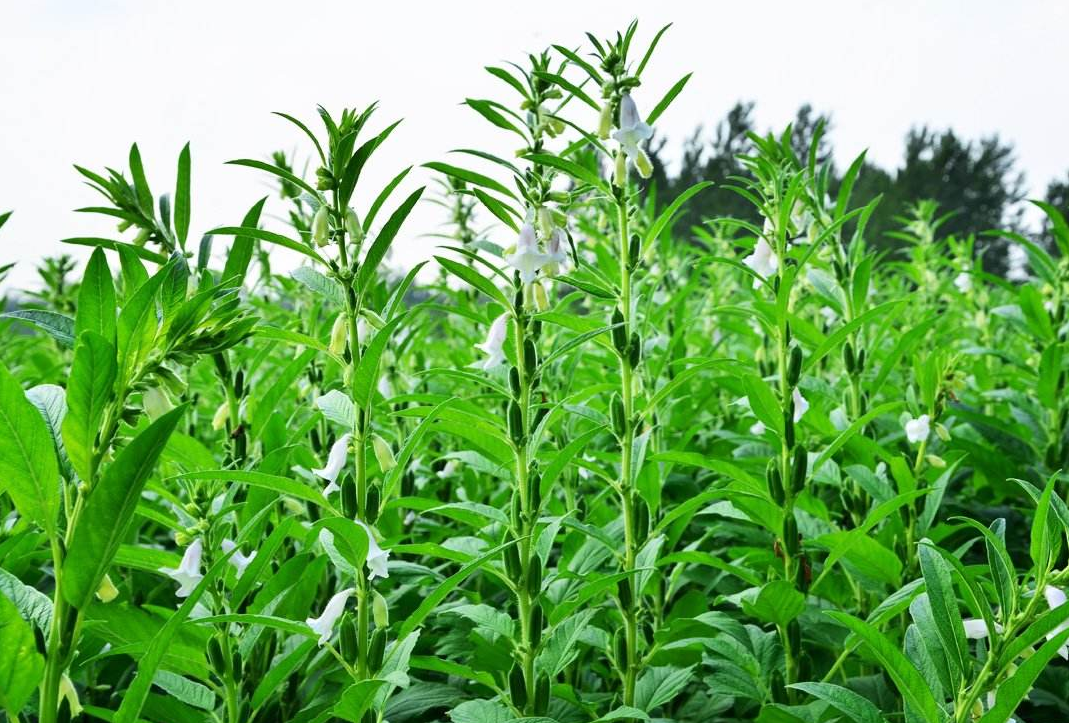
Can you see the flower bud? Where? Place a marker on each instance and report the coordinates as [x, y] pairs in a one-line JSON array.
[[541, 301], [545, 221], [339, 335], [222, 413], [155, 402], [643, 164], [379, 610], [107, 590], [383, 453], [321, 227], [605, 121], [619, 177], [353, 227]]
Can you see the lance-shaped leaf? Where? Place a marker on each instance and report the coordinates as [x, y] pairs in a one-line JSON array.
[[89, 387], [109, 509], [29, 470], [21, 666]]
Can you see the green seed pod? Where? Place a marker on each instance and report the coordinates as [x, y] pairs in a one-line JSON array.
[[514, 381], [517, 302], [794, 635], [539, 415], [634, 351], [537, 620], [634, 250], [369, 717], [794, 367], [799, 468], [408, 484], [348, 639], [623, 591], [536, 328], [642, 518], [534, 491], [515, 422], [620, 648], [848, 357], [790, 535], [348, 497], [512, 562], [376, 649], [518, 687], [619, 333], [788, 425], [542, 696], [534, 578], [235, 664], [775, 484], [371, 512], [779, 690], [617, 415], [215, 654], [530, 357], [860, 361]]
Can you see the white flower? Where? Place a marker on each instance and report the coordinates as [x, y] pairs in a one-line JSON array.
[[963, 282], [324, 624], [1056, 598], [67, 691], [829, 314], [632, 134], [917, 429], [757, 428], [801, 406], [239, 560], [976, 628], [527, 259], [763, 261], [187, 574], [450, 469], [1017, 263], [376, 556], [494, 346], [339, 454]]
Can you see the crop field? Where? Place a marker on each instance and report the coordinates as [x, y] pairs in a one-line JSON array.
[[642, 461]]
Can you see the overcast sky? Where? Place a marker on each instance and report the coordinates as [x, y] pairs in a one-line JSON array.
[[81, 79]]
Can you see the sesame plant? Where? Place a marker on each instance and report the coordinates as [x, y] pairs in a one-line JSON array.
[[581, 465]]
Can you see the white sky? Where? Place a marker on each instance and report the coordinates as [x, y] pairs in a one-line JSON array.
[[80, 80]]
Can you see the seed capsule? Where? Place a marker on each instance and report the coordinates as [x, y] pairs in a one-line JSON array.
[[518, 687], [348, 498], [376, 649], [775, 483], [512, 562], [619, 334], [536, 625], [799, 468], [542, 696], [371, 510], [848, 357], [794, 367], [534, 578]]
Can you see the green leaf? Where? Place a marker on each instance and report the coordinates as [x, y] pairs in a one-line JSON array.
[[29, 470], [945, 610], [58, 326], [237, 260], [32, 604], [366, 376], [21, 666], [1014, 689], [385, 237], [666, 101], [137, 328], [357, 699], [909, 681], [270, 237], [96, 299], [144, 194], [110, 508], [778, 602], [573, 169], [659, 685], [474, 279], [89, 389], [328, 288], [282, 485], [844, 700], [182, 197]]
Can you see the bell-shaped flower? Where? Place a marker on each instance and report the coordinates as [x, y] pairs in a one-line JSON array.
[[239, 560], [801, 404], [1056, 598], [829, 314], [527, 259], [917, 430], [632, 136], [187, 574], [451, 468], [339, 455], [763, 261], [324, 624], [376, 556], [963, 282], [321, 227], [757, 428], [494, 346], [68, 693], [976, 628]]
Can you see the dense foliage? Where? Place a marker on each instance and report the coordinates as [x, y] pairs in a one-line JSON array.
[[625, 469]]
